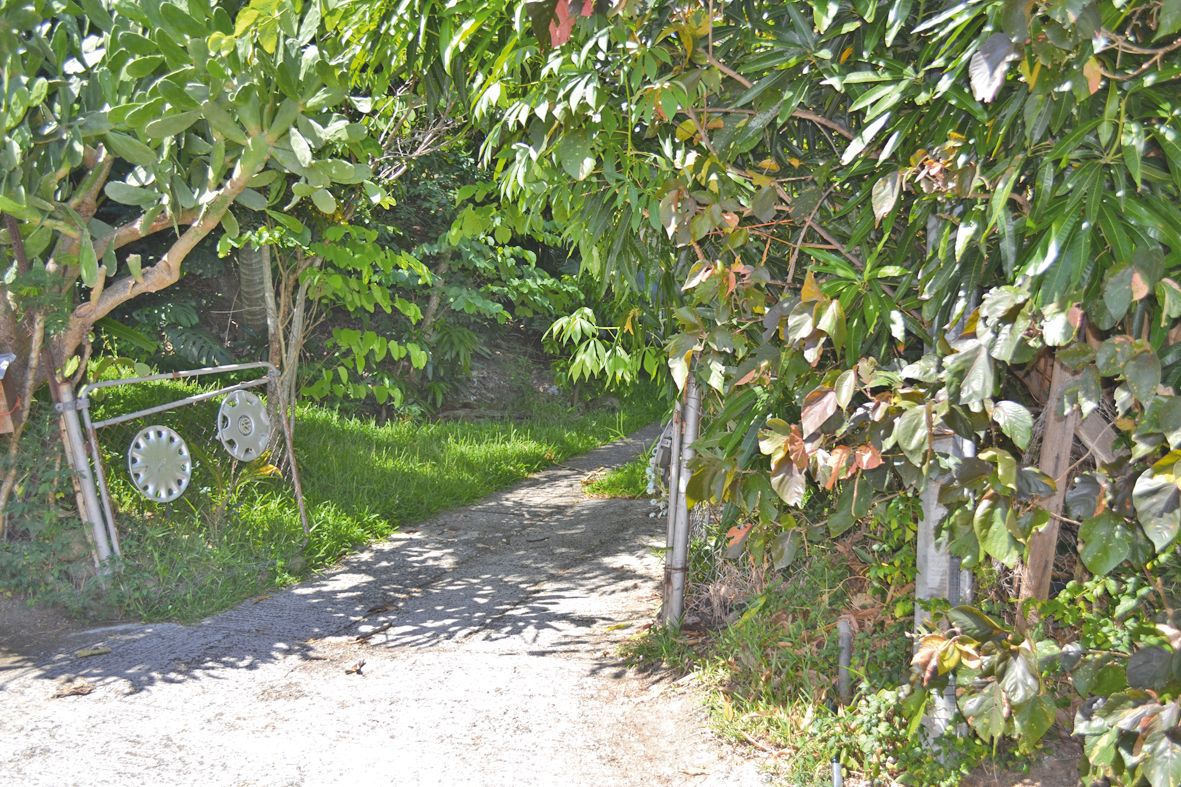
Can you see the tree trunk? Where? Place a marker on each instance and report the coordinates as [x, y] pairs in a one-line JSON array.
[[431, 313], [1057, 441], [11, 476], [253, 275]]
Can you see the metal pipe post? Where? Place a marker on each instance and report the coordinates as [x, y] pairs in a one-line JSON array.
[[76, 453], [845, 638], [674, 475], [680, 550]]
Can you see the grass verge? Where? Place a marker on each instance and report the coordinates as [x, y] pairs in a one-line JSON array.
[[628, 481], [236, 533]]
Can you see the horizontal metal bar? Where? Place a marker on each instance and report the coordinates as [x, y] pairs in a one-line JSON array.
[[235, 367], [118, 419]]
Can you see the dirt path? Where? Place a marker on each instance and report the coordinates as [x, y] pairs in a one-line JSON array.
[[491, 661]]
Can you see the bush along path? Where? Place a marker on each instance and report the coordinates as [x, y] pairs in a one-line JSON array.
[[479, 649]]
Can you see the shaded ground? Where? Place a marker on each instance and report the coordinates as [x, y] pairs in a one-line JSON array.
[[488, 640], [1058, 766]]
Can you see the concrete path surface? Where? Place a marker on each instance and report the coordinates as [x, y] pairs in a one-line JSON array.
[[488, 638]]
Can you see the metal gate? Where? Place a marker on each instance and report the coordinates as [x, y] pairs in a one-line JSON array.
[[165, 454]]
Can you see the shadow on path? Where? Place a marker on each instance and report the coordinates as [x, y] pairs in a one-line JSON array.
[[515, 570]]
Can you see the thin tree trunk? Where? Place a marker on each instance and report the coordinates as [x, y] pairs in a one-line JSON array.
[[253, 278], [288, 381], [10, 476], [1057, 442], [274, 331], [431, 313]]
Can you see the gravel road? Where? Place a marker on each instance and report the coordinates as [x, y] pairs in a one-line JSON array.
[[487, 642]]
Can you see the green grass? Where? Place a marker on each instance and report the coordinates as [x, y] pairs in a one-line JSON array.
[[627, 481], [237, 534]]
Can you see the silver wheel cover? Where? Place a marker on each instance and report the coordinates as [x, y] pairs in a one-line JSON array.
[[159, 463], [243, 426]]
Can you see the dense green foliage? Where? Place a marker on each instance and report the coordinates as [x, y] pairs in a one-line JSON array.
[[128, 120], [868, 228]]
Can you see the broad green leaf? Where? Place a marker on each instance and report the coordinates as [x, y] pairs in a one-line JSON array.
[[1157, 500], [993, 530], [229, 224], [1106, 542], [1168, 295], [885, 194], [1169, 23], [323, 199], [1117, 290], [1143, 373], [1033, 720], [988, 66], [574, 154], [979, 378], [1015, 421], [985, 711], [171, 125], [132, 150], [251, 199], [127, 194], [824, 12], [845, 387], [88, 261], [910, 433], [301, 148], [789, 483], [1020, 680], [1150, 668], [1162, 758]]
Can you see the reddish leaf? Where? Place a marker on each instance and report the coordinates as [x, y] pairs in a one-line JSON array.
[[1140, 287], [926, 658], [836, 464], [814, 346], [797, 449], [735, 534], [563, 20], [868, 457], [749, 377], [819, 405], [1094, 74]]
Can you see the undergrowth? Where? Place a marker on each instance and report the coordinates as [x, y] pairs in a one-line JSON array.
[[236, 532], [770, 674]]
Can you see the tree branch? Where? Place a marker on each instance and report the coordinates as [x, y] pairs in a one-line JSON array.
[[802, 114], [163, 273], [133, 230]]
